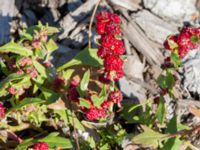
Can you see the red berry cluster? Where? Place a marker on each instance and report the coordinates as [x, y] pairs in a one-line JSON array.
[[41, 146], [112, 46], [2, 111], [188, 39], [94, 113]]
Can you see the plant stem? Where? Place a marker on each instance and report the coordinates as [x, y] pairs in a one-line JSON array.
[[91, 21], [73, 123]]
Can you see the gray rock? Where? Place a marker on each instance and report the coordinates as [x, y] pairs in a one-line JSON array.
[[154, 27], [191, 72], [176, 10], [7, 12], [131, 89]]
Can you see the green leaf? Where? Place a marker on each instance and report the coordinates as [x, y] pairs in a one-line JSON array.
[[63, 115], [51, 45], [176, 59], [172, 144], [84, 83], [103, 93], [25, 36], [149, 138], [15, 48], [195, 39], [172, 126], [169, 80], [7, 81], [97, 101], [54, 141], [25, 144], [84, 103], [25, 102], [86, 57], [160, 113], [67, 74], [40, 68], [49, 95], [39, 27], [28, 101]]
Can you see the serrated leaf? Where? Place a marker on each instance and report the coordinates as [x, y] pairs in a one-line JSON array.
[[149, 138], [55, 141], [84, 103], [160, 113], [86, 57], [15, 48], [51, 45]]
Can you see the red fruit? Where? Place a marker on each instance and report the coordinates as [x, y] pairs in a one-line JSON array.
[[105, 105], [115, 18], [119, 74], [169, 41], [58, 83], [36, 44], [103, 52], [92, 114], [47, 64], [119, 48], [32, 71], [103, 16], [102, 113], [25, 61], [112, 28], [41, 146], [20, 72], [115, 97], [108, 41], [74, 83], [100, 27], [73, 94], [113, 63], [2, 111], [156, 100], [12, 90], [103, 79]]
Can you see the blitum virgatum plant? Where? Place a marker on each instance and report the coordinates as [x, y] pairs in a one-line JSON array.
[[43, 107]]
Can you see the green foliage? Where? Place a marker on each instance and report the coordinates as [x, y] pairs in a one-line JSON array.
[[16, 49], [55, 141], [149, 138], [160, 113], [86, 57]]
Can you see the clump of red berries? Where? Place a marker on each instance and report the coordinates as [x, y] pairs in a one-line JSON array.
[[188, 39], [41, 146], [94, 113], [2, 111], [112, 46]]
